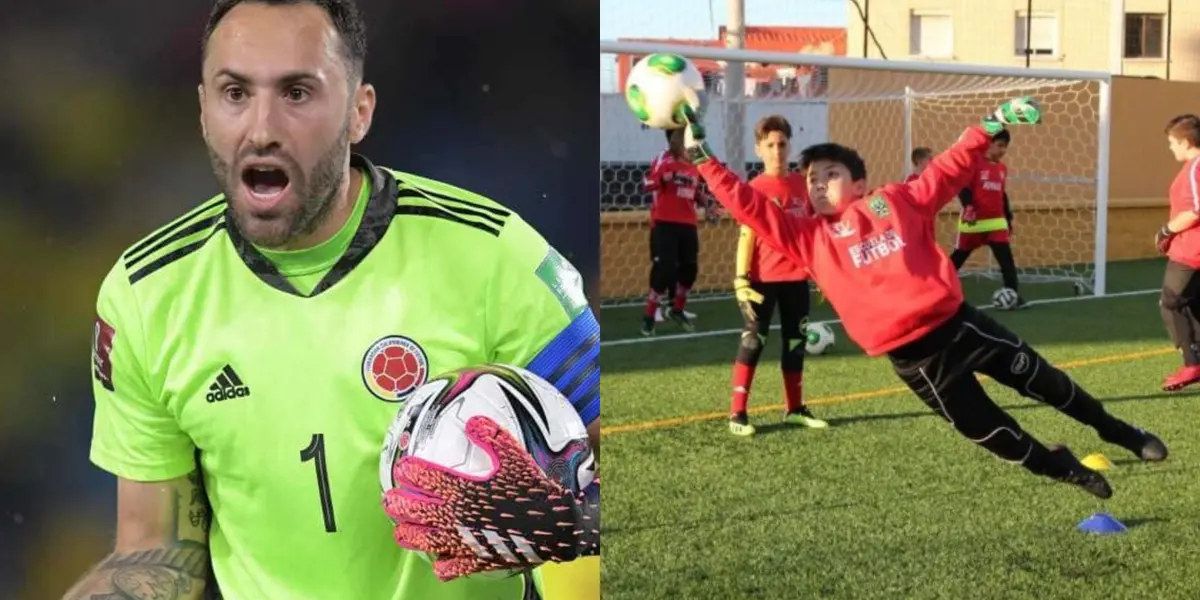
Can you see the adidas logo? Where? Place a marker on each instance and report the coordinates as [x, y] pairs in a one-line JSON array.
[[227, 386]]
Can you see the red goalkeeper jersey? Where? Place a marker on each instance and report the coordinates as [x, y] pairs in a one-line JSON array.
[[986, 194], [1185, 196], [675, 185], [878, 261], [911, 178], [790, 192]]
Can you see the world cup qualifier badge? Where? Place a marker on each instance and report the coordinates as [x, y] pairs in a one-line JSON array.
[[394, 367]]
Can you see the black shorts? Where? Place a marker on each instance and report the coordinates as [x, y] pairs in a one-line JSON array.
[[792, 299], [674, 243], [942, 364]]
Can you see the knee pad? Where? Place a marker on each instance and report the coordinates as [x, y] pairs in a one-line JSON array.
[[1171, 300], [750, 348]]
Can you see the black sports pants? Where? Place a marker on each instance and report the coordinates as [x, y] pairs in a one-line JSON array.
[[674, 255], [792, 299], [1178, 304], [940, 368]]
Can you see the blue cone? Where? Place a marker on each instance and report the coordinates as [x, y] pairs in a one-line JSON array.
[[1101, 523]]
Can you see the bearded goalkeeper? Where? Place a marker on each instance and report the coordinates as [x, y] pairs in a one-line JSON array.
[[879, 265], [250, 355]]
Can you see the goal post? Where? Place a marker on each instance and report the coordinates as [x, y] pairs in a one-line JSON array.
[[1057, 171]]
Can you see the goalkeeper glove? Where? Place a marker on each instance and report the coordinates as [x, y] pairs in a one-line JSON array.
[[968, 214], [694, 143], [515, 517], [746, 296], [1018, 111], [1163, 239]]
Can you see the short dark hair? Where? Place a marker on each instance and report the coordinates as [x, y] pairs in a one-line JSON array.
[[1185, 127], [920, 154], [843, 155], [1002, 136], [770, 124], [346, 18]]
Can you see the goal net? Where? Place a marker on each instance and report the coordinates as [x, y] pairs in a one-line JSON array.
[[1056, 185]]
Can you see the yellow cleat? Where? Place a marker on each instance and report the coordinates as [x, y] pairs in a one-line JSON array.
[[804, 417], [739, 425]]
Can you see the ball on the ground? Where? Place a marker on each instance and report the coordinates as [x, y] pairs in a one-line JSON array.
[[660, 85], [1004, 298], [818, 338], [432, 425]]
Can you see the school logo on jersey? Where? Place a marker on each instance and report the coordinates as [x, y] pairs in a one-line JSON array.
[[394, 367], [879, 206], [564, 282]]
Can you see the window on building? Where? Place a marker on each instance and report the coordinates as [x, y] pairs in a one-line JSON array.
[[931, 35], [1036, 34], [1144, 35]]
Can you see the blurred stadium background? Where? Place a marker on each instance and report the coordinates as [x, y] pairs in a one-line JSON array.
[[99, 144]]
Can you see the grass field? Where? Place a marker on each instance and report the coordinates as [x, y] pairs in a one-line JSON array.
[[889, 502]]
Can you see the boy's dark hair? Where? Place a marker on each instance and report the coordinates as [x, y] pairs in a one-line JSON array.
[[346, 18], [920, 154], [770, 124], [1185, 127], [1003, 136], [843, 155]]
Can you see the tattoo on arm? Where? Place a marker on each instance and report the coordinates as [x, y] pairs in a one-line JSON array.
[[177, 570]]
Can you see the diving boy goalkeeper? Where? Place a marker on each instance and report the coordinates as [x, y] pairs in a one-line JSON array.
[[878, 263]]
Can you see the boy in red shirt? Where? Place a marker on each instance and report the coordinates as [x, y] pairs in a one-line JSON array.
[[766, 279], [1179, 239], [878, 264], [920, 159], [986, 217], [674, 239]]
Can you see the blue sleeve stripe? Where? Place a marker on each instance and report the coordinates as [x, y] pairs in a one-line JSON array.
[[571, 363]]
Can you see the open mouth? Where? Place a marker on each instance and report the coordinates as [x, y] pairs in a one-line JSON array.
[[265, 184]]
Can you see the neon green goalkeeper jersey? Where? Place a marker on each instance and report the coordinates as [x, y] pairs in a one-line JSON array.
[[282, 371]]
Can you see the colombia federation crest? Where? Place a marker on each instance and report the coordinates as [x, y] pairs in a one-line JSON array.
[[394, 367]]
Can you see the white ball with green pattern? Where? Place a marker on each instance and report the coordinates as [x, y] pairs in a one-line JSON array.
[[658, 88], [818, 338]]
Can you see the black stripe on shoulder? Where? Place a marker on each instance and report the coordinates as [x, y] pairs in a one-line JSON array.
[[499, 212], [438, 213], [194, 228], [141, 246], [456, 210], [174, 255]]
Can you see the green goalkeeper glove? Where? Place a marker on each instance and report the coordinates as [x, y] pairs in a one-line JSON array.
[[1018, 111], [694, 144]]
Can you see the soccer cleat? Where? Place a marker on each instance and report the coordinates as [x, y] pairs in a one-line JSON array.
[[1185, 376], [1146, 446], [1064, 467], [740, 425], [803, 416], [680, 317], [648, 326]]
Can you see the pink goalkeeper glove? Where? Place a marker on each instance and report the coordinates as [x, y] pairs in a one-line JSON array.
[[513, 518]]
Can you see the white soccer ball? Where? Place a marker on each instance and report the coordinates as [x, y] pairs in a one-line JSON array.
[[1004, 298], [660, 85], [432, 425], [819, 338]]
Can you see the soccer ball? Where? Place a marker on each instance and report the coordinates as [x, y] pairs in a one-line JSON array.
[[432, 425], [818, 338], [1004, 298], [658, 88]]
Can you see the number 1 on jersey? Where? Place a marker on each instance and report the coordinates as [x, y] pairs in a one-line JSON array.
[[316, 453]]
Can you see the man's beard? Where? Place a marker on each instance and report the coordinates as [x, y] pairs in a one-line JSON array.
[[314, 195]]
